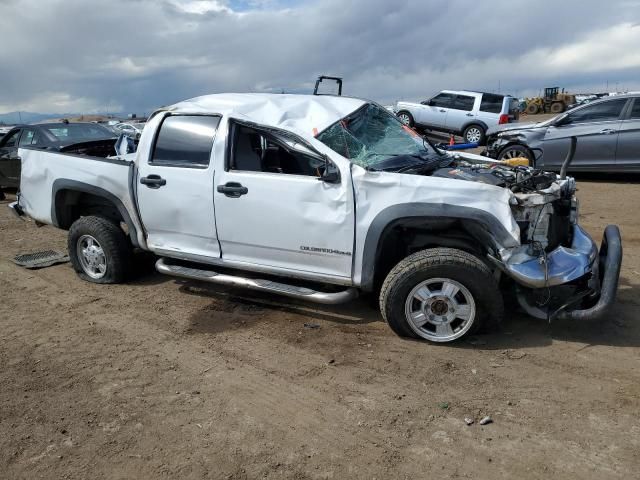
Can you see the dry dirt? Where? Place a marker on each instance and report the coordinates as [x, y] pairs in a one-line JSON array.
[[162, 378]]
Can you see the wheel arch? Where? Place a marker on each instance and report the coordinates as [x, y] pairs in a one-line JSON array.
[[400, 230], [71, 199], [477, 122]]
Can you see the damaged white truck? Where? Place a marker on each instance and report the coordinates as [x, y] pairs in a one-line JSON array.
[[319, 198]]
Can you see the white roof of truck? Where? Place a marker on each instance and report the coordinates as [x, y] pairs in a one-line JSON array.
[[305, 114]]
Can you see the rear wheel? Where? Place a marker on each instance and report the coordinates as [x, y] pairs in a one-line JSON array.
[[531, 109], [99, 250], [406, 118], [474, 134], [557, 107], [440, 295], [516, 151]]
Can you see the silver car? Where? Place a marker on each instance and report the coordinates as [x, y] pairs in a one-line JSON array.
[[607, 133]]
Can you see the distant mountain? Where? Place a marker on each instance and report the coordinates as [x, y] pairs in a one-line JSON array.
[[12, 118]]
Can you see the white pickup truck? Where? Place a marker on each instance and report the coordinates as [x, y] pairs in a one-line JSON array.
[[319, 198]]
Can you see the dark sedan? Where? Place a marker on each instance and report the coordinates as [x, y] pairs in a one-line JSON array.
[[607, 133], [46, 136]]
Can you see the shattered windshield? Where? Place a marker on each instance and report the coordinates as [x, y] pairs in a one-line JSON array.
[[371, 135]]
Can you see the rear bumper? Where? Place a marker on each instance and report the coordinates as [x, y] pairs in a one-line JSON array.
[[609, 272]]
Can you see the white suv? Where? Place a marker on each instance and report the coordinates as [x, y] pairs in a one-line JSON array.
[[464, 113]]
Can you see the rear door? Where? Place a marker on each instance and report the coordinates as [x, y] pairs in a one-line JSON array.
[[461, 112], [628, 151], [9, 160], [175, 188], [596, 128], [433, 113]]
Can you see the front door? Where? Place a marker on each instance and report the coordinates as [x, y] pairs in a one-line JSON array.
[[433, 113], [596, 129], [175, 188], [274, 211], [628, 151]]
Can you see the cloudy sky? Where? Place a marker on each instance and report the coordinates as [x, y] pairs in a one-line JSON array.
[[134, 55]]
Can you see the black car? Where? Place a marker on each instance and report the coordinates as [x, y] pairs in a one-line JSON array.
[[47, 136]]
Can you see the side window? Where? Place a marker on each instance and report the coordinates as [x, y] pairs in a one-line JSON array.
[[635, 111], [27, 137], [463, 102], [255, 151], [598, 113], [185, 141], [12, 140], [444, 100], [491, 103]]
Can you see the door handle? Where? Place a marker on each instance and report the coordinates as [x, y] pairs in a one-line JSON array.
[[153, 181], [233, 189], [443, 111], [607, 131], [469, 114]]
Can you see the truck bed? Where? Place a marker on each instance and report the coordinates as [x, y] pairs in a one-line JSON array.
[[47, 172]]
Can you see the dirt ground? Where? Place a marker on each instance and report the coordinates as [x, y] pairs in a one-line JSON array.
[[168, 379]]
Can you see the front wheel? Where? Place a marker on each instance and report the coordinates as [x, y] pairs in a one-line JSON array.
[[99, 250], [516, 151], [440, 295]]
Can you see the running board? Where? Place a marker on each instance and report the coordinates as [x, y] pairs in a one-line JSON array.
[[257, 284]]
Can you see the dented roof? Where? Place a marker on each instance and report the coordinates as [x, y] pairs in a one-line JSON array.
[[305, 114]]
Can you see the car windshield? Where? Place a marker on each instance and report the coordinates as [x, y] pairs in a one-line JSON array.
[[371, 135], [79, 132]]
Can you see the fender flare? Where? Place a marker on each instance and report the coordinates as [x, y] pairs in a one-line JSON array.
[[81, 187], [475, 121], [483, 226]]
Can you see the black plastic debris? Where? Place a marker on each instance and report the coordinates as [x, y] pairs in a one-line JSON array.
[[40, 259]]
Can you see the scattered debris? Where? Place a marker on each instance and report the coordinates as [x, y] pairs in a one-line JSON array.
[[474, 371], [468, 421], [40, 259], [514, 355], [444, 405], [332, 361], [495, 365], [486, 420], [312, 326]]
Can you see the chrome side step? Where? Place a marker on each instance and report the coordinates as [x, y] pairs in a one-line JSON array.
[[256, 284]]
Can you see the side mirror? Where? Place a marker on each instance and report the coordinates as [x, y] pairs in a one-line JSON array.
[[331, 173], [564, 120], [426, 102]]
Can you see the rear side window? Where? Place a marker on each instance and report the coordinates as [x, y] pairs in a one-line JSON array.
[[598, 113], [463, 102], [185, 141], [491, 103], [635, 111]]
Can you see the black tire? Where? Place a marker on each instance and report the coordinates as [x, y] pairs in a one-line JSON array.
[[557, 107], [470, 134], [410, 122], [112, 241], [434, 264], [531, 109], [515, 151]]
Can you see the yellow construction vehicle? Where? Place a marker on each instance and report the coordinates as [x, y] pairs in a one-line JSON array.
[[552, 102]]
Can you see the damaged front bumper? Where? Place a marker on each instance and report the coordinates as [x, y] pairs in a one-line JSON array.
[[579, 282]]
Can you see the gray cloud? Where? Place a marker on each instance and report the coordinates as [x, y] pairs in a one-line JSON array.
[[73, 55]]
